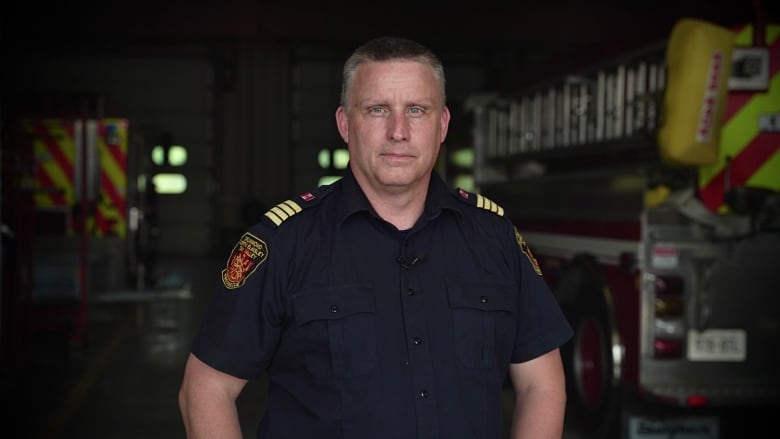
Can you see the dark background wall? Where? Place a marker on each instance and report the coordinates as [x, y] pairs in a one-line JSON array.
[[251, 86], [509, 35]]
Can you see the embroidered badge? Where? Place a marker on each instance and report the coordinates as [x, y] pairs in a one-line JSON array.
[[527, 252], [247, 255]]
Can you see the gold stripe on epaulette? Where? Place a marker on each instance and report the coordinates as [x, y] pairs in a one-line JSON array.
[[279, 213], [488, 204]]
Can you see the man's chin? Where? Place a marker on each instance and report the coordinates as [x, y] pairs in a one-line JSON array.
[[399, 181]]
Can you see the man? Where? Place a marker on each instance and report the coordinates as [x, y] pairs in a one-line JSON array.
[[384, 305]]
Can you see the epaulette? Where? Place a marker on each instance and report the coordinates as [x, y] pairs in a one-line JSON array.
[[284, 210], [479, 201]]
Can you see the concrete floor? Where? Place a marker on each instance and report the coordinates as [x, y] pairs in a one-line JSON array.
[[123, 382]]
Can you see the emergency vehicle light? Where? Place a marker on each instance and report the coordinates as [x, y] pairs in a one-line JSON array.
[[668, 323], [668, 306], [669, 328], [667, 348], [697, 401], [669, 286]]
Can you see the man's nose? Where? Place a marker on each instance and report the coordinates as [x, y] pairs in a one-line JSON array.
[[399, 128]]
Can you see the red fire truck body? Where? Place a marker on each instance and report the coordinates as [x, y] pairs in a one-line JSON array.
[[79, 222], [67, 204], [667, 263]]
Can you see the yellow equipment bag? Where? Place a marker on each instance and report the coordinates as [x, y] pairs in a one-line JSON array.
[[698, 61]]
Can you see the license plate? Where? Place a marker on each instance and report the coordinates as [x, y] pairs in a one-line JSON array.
[[717, 345], [703, 427]]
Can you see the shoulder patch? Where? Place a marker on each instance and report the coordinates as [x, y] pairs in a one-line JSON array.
[[284, 210], [527, 252], [480, 201], [248, 253]]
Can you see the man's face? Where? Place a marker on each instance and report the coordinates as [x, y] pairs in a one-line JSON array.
[[394, 124]]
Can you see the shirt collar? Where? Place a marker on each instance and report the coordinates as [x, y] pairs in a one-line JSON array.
[[352, 199]]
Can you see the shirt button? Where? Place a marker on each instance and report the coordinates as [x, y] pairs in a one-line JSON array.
[[423, 394], [410, 292], [483, 299], [417, 341], [334, 308]]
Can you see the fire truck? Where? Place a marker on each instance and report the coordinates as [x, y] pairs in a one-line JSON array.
[[648, 187], [72, 224]]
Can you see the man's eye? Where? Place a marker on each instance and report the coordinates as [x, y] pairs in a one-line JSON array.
[[376, 110], [416, 111]]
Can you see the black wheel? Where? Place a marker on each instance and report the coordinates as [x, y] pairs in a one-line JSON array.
[[592, 393]]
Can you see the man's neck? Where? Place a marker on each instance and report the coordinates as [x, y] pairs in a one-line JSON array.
[[402, 214], [400, 207]]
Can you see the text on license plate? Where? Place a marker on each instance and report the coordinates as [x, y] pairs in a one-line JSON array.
[[677, 428], [717, 345]]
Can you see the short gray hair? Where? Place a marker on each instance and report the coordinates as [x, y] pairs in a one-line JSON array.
[[389, 48]]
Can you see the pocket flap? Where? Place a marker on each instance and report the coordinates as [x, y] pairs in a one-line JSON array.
[[333, 303], [482, 296]]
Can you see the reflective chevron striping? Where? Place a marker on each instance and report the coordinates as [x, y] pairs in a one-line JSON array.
[[752, 156]]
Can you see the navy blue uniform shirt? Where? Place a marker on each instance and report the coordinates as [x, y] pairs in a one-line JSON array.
[[368, 332]]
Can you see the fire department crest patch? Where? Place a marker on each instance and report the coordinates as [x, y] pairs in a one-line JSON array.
[[527, 251], [247, 255]]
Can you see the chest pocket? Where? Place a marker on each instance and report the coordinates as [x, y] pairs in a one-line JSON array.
[[482, 315], [338, 330]]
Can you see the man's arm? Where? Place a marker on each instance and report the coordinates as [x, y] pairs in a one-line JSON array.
[[207, 400], [540, 397]]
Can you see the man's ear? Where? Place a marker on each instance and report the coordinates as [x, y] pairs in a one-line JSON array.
[[445, 123], [342, 123]]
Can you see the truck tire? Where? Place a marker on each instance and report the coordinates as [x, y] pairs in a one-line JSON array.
[[592, 393]]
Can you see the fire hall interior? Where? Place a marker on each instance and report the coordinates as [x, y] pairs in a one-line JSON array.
[[211, 113]]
